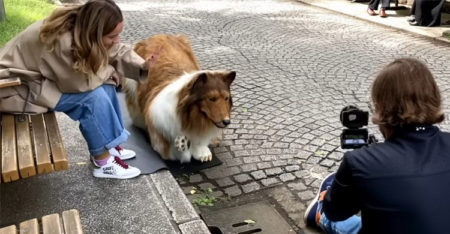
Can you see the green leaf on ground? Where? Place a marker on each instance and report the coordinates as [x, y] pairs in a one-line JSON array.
[[249, 221]]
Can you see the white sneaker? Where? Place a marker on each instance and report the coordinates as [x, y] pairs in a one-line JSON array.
[[116, 169], [120, 152]]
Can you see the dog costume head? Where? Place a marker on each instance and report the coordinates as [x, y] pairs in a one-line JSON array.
[[207, 100]]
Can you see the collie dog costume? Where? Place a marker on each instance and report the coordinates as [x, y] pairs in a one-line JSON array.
[[182, 107]]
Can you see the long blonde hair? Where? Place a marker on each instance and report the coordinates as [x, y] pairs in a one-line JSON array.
[[88, 24]]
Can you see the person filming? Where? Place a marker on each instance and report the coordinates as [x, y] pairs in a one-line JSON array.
[[403, 184]]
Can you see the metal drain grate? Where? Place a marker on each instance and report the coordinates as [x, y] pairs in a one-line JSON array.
[[233, 220]]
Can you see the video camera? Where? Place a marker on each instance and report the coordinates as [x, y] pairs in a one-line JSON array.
[[355, 135]]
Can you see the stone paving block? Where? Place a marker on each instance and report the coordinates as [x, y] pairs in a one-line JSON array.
[[302, 174], [248, 167], [251, 187], [269, 157], [259, 175], [281, 162], [270, 181], [273, 171], [287, 177], [306, 195], [252, 159], [241, 153], [206, 186], [224, 155], [233, 191], [195, 178], [242, 178], [264, 165], [298, 185], [225, 182], [233, 162], [327, 163], [292, 168]]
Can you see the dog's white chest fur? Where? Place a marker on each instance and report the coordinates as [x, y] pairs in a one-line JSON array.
[[164, 107]]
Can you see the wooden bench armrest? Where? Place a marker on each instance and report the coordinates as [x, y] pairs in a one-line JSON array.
[[8, 82]]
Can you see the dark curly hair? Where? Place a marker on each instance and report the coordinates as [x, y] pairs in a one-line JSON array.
[[405, 93]]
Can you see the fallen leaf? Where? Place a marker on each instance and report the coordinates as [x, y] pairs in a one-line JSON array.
[[249, 221]]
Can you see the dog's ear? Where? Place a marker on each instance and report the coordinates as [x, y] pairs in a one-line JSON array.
[[228, 78], [200, 80]]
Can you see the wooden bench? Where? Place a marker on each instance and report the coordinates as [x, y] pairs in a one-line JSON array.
[[49, 224], [30, 144]]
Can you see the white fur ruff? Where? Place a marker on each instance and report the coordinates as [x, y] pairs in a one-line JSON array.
[[163, 112]]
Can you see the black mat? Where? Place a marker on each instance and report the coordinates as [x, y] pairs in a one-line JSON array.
[[178, 169], [148, 160]]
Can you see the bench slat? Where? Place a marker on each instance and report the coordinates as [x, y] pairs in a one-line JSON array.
[[72, 222], [8, 230], [9, 159], [56, 145], [9, 82], [51, 224], [41, 145], [24, 150], [29, 227]]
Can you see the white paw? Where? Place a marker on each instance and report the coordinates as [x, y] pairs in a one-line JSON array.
[[202, 153], [182, 143]]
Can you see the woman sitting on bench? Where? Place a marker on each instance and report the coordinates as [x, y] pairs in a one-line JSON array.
[[72, 61]]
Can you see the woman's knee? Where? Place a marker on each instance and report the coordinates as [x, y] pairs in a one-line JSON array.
[[97, 95], [110, 90]]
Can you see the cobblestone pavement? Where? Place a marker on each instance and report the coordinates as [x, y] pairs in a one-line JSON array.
[[297, 66]]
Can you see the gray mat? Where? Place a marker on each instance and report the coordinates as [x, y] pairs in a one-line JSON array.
[[148, 160]]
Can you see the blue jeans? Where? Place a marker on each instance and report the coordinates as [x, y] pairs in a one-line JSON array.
[[100, 117], [351, 225]]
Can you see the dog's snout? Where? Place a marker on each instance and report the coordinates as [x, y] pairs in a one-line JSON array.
[[226, 122]]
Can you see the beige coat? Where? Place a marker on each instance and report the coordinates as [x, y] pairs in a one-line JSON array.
[[49, 74]]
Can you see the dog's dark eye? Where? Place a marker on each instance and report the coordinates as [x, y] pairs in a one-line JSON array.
[[213, 99], [226, 99]]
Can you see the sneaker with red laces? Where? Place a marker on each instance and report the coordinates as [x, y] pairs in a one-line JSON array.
[[371, 12], [116, 169], [314, 210], [120, 152], [383, 13]]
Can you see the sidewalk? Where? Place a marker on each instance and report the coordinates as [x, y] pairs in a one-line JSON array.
[[147, 204], [396, 18]]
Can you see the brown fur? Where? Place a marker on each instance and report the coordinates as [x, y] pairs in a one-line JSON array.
[[204, 103]]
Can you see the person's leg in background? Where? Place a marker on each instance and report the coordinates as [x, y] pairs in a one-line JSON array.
[[373, 6], [384, 5], [101, 127], [412, 18], [436, 11]]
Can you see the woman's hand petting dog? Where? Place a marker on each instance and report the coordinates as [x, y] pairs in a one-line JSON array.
[[115, 78]]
